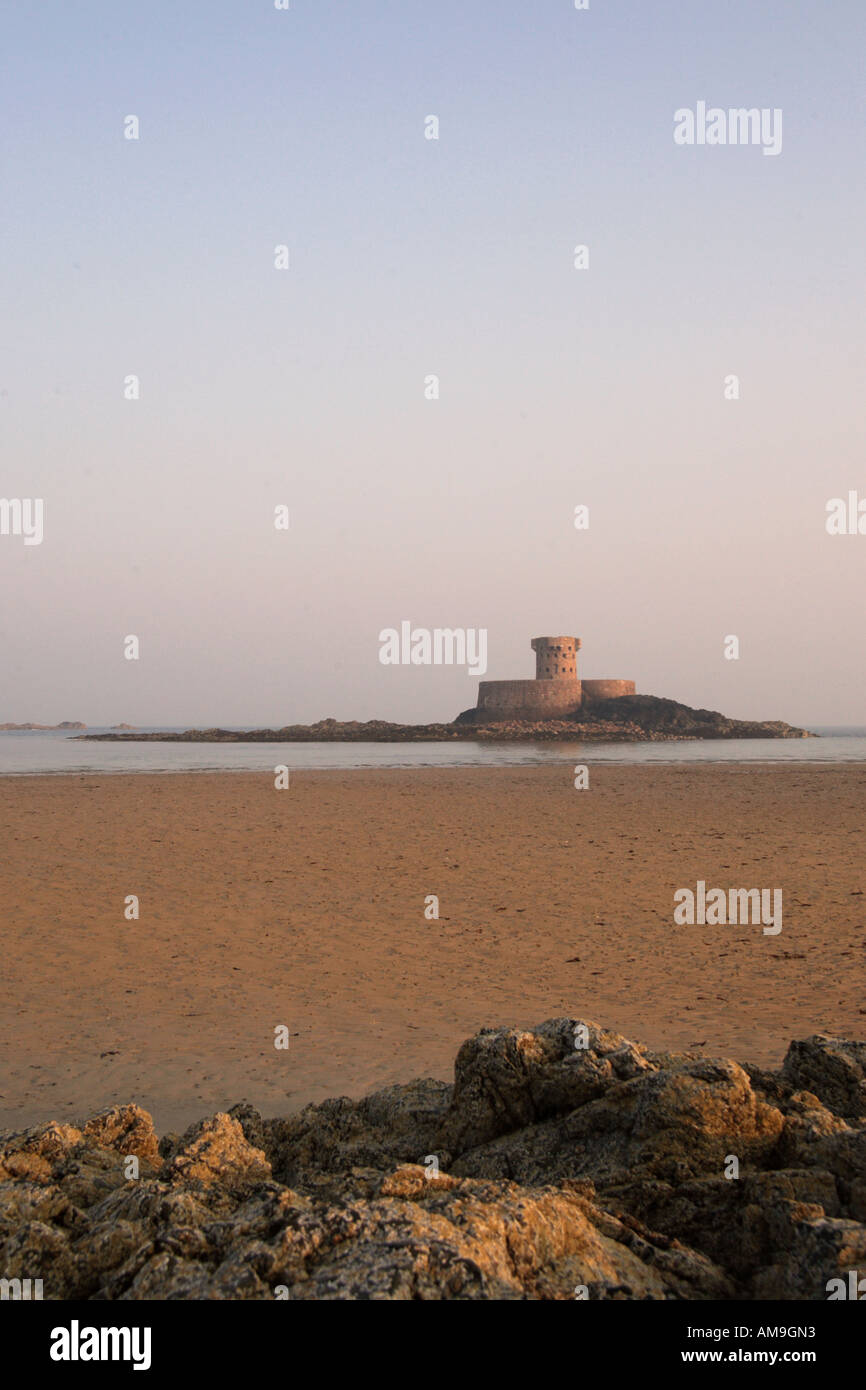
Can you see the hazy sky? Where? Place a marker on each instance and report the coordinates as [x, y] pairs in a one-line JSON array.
[[410, 257]]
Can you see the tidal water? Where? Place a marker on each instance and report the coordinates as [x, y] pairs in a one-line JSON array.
[[28, 753]]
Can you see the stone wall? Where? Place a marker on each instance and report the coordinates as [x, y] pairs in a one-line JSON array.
[[606, 690], [538, 699]]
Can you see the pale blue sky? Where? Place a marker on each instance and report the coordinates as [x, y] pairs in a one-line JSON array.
[[411, 257]]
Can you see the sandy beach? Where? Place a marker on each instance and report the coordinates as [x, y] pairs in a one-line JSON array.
[[305, 908]]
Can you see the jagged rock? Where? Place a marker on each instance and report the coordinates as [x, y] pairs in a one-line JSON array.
[[547, 1171], [506, 1079], [22, 1202], [820, 1249], [38, 1250], [620, 1110], [843, 1154], [217, 1150], [807, 1124], [22, 1164], [743, 1225], [50, 1141], [125, 1128], [675, 1123], [834, 1069], [396, 1125], [478, 1240]]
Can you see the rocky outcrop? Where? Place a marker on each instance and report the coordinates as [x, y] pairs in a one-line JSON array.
[[627, 718], [30, 728], [654, 714], [634, 718], [833, 1069], [564, 1161]]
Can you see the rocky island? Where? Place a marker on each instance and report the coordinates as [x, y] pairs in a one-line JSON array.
[[563, 1163], [556, 705], [626, 718], [41, 728]]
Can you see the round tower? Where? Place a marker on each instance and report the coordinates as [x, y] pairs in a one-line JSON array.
[[555, 657]]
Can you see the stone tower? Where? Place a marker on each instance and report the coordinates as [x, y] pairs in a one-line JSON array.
[[555, 657], [556, 692]]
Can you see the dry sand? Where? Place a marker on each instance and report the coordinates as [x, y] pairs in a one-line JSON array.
[[305, 907]]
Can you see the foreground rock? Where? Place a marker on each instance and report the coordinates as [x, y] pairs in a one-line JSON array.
[[563, 1162]]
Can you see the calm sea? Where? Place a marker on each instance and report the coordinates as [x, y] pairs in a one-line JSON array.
[[27, 753]]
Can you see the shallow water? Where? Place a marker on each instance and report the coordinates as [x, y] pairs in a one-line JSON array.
[[61, 752]]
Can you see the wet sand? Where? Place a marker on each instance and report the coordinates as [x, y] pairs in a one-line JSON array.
[[305, 908]]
